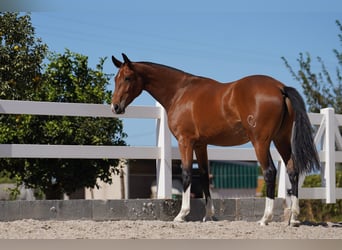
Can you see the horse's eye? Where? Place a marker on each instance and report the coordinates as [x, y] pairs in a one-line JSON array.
[[127, 79]]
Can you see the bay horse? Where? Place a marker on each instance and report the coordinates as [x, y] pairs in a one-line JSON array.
[[202, 111]]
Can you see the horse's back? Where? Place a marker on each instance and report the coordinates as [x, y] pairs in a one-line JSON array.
[[259, 83], [256, 89]]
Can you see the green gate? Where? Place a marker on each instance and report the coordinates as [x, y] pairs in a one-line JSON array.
[[234, 175]]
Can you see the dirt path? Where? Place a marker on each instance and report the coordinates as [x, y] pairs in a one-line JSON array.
[[33, 229]]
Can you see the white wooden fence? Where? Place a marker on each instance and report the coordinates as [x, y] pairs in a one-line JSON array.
[[327, 137]]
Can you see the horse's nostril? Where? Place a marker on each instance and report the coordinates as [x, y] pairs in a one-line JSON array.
[[116, 108]]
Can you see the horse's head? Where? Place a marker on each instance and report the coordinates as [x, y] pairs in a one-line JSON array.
[[128, 85]]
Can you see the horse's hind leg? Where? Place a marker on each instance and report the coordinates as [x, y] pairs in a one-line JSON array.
[[284, 148], [202, 160], [293, 192], [270, 173]]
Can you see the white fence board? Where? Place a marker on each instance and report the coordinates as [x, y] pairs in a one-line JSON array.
[[77, 151], [75, 109], [161, 151], [312, 193], [315, 118]]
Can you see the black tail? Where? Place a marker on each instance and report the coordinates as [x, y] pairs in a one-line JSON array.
[[304, 152]]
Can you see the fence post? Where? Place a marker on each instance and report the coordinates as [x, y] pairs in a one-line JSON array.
[[164, 163], [329, 151], [283, 181]]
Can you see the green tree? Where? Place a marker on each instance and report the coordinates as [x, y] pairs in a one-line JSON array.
[[21, 56], [321, 89], [64, 78], [68, 78]]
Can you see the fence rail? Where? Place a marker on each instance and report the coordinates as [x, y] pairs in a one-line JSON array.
[[327, 136]]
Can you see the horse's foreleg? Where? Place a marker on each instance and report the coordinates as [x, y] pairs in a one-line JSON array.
[[209, 206], [185, 209], [270, 178], [186, 151], [202, 160]]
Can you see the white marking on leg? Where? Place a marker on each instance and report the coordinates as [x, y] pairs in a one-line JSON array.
[[268, 214], [294, 204], [185, 209], [294, 211], [209, 210]]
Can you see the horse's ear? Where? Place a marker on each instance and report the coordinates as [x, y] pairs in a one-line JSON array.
[[126, 60], [116, 62]]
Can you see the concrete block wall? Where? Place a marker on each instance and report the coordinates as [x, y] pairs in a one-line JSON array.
[[249, 209]]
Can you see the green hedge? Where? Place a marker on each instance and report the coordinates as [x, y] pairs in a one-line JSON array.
[[4, 178], [317, 210]]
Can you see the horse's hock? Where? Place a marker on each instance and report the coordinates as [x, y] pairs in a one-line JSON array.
[[248, 209]]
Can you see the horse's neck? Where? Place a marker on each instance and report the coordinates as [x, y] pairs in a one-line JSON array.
[[163, 84]]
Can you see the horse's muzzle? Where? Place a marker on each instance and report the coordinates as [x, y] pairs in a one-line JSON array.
[[117, 109]]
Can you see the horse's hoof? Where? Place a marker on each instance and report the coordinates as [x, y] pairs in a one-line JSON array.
[[265, 220], [262, 223], [205, 219], [179, 219], [294, 223], [209, 218]]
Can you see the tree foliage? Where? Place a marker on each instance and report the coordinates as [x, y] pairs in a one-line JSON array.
[[21, 56], [65, 77], [69, 79], [322, 89]]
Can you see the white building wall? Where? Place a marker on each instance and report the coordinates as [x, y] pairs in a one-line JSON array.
[[109, 191]]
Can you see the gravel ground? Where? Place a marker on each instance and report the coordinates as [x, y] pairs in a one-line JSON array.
[[85, 229]]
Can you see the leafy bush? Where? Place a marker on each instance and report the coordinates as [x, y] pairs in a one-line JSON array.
[[317, 210], [5, 178]]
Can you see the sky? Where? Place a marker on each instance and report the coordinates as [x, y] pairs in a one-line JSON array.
[[223, 40]]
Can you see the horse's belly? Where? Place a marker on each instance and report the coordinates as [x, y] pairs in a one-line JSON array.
[[228, 137]]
